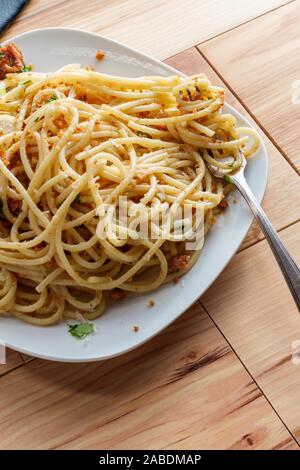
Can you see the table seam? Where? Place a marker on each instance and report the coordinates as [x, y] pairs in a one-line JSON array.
[[248, 110]]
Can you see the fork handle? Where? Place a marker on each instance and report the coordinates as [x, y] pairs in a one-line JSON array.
[[286, 263]]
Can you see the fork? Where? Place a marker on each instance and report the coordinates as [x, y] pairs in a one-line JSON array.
[[289, 269]]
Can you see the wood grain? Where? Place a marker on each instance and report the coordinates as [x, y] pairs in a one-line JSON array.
[[185, 389], [277, 201], [161, 28], [264, 70], [252, 306]]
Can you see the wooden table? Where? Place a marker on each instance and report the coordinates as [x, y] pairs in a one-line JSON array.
[[222, 375]]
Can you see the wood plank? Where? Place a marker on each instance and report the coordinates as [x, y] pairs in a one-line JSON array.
[[13, 360], [262, 67], [161, 28], [281, 175], [184, 389], [252, 305]]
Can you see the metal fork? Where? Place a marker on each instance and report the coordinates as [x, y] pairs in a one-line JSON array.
[[287, 265]]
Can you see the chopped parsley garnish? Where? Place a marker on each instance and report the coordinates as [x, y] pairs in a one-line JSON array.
[[143, 134], [29, 82], [26, 68], [1, 55], [52, 98], [228, 179], [81, 330], [11, 61]]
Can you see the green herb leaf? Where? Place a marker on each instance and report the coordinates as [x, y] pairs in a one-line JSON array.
[[53, 98], [1, 55], [143, 134], [11, 61], [26, 68], [228, 179], [81, 330], [29, 82]]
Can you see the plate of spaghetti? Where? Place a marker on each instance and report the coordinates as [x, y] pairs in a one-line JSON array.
[[111, 223]]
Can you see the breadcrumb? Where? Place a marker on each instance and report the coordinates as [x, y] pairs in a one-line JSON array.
[[50, 264], [178, 263], [100, 55], [60, 123], [223, 204], [117, 294], [135, 328], [151, 303]]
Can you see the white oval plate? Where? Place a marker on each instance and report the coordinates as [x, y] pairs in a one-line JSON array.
[[51, 48]]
